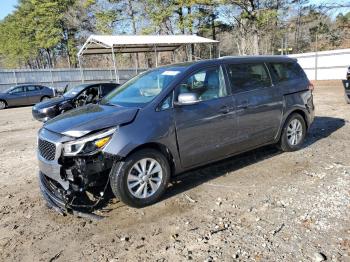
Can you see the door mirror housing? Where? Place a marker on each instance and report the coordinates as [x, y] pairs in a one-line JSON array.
[[187, 99]]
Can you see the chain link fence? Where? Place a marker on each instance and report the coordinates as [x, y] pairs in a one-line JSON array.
[[59, 78]]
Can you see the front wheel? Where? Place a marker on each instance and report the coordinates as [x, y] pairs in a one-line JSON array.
[[293, 133], [141, 179]]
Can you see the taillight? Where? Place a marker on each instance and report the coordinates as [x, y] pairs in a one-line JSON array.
[[311, 86]]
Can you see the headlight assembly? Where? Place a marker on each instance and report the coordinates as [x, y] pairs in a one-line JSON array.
[[88, 145]]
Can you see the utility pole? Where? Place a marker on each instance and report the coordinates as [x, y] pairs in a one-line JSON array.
[[316, 55]]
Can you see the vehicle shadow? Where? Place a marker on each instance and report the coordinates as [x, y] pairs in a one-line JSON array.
[[321, 128], [13, 107]]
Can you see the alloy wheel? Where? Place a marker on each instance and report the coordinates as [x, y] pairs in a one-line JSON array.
[[145, 178], [294, 132]]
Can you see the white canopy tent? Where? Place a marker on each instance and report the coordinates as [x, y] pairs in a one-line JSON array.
[[113, 44]]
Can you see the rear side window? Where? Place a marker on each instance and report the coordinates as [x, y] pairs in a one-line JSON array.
[[248, 76], [106, 89], [32, 88], [286, 71]]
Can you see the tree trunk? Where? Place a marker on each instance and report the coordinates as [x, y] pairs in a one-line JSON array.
[[131, 12], [255, 40]]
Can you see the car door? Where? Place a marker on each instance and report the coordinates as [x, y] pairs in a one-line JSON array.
[[17, 96], [205, 130], [33, 94], [258, 104]]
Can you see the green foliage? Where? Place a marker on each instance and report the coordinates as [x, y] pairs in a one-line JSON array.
[[45, 33], [104, 21]]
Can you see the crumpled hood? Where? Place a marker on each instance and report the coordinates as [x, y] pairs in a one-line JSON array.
[[50, 102], [84, 120]]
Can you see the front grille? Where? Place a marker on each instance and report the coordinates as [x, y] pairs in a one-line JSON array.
[[47, 149]]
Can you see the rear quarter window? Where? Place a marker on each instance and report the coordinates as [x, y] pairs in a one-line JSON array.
[[286, 71]]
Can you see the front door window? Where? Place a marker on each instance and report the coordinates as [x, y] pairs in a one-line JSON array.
[[207, 84]]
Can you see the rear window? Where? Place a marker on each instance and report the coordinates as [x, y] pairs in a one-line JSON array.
[[248, 76], [286, 71]]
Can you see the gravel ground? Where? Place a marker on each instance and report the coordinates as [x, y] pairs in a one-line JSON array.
[[261, 206]]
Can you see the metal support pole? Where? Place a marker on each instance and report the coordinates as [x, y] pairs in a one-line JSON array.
[[136, 63], [219, 51], [115, 66], [210, 46], [14, 74], [316, 57], [51, 76], [174, 60], [81, 69], [194, 52], [156, 54]]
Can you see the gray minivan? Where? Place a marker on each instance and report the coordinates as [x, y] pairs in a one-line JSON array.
[[169, 120]]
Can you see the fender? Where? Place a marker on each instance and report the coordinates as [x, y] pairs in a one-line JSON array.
[[160, 131], [301, 102]]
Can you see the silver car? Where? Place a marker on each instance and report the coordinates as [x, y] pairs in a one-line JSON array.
[[22, 95]]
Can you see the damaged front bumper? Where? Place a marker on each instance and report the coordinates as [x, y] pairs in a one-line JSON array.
[[71, 184]]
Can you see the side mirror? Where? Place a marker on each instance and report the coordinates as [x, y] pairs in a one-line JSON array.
[[187, 99]]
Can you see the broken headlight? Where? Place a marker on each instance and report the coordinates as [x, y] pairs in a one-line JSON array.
[[88, 145]]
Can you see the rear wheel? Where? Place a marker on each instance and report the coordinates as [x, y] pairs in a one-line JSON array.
[[141, 179], [2, 104], [44, 98], [293, 133], [347, 99]]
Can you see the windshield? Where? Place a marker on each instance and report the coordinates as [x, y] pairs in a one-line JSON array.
[[74, 91], [143, 88]]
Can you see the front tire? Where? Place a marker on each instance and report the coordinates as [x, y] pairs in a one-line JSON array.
[[2, 105], [141, 179], [293, 133]]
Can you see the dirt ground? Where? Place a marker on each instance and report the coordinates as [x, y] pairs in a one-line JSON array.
[[261, 206]]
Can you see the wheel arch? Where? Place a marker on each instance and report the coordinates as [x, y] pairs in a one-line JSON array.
[[3, 100], [299, 111], [44, 96], [160, 148]]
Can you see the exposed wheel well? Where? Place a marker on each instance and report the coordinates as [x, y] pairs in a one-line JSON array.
[[162, 149]]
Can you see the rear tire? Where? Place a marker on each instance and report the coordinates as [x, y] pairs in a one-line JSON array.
[[293, 133], [141, 179], [347, 99], [3, 105], [44, 98]]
